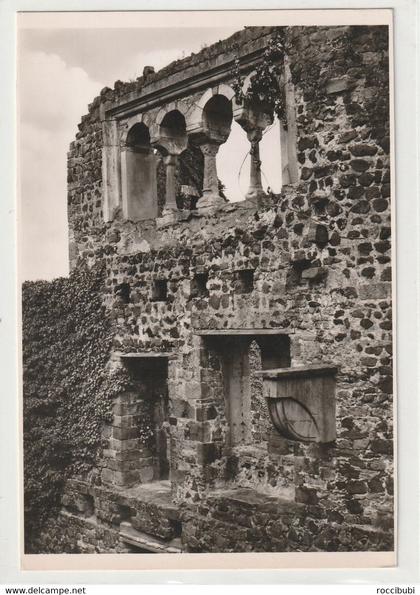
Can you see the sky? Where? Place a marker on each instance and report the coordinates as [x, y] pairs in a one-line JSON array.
[[60, 71]]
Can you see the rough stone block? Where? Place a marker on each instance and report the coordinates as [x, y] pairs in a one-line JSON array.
[[375, 291], [314, 274], [339, 85]]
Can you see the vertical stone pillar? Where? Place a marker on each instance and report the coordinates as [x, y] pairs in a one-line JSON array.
[[110, 169], [255, 189], [254, 121], [285, 174], [211, 197], [170, 140], [171, 162]]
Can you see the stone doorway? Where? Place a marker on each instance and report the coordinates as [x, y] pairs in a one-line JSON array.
[[150, 375], [239, 354]]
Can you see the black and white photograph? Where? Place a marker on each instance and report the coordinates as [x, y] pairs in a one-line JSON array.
[[206, 257]]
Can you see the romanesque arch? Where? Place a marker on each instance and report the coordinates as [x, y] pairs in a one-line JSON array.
[[138, 174]]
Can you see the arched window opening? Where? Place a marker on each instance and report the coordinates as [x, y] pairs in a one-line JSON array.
[[217, 116], [173, 133], [170, 143], [216, 121], [138, 174], [138, 138], [182, 160]]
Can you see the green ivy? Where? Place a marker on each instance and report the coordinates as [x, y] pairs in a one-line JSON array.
[[67, 390], [264, 87]]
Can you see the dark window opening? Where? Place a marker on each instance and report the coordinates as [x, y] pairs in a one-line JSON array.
[[160, 290], [244, 281], [199, 285], [123, 292]]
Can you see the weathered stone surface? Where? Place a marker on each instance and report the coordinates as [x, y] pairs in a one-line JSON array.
[[339, 85], [309, 267]]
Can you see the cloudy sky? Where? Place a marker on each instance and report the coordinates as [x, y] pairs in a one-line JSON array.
[[60, 71]]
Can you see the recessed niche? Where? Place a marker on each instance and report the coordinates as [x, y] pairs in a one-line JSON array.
[[159, 290], [244, 281], [123, 292], [240, 358], [138, 175], [199, 285]]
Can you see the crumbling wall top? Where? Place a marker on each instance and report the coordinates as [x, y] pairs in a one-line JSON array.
[[219, 54]]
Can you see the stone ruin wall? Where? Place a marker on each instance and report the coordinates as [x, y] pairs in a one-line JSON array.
[[320, 253]]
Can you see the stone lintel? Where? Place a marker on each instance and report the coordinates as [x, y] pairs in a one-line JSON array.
[[241, 332], [299, 371], [146, 355]]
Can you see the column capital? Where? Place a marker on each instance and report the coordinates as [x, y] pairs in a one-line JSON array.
[[169, 146], [254, 135], [252, 118], [210, 148], [170, 159], [201, 135]]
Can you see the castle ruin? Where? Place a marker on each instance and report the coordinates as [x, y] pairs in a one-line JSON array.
[[257, 334]]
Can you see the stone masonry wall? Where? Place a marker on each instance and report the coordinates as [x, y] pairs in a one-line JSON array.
[[320, 253]]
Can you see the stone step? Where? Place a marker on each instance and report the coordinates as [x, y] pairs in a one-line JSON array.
[[148, 542], [155, 512], [246, 507], [149, 508]]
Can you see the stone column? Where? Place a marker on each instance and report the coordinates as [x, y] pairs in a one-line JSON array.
[[171, 162], [211, 196], [255, 189], [254, 121], [209, 142], [170, 144]]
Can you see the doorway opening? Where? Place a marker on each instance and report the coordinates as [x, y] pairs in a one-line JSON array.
[[150, 376], [240, 354]]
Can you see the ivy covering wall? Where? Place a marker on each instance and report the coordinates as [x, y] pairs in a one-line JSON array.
[[67, 391]]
